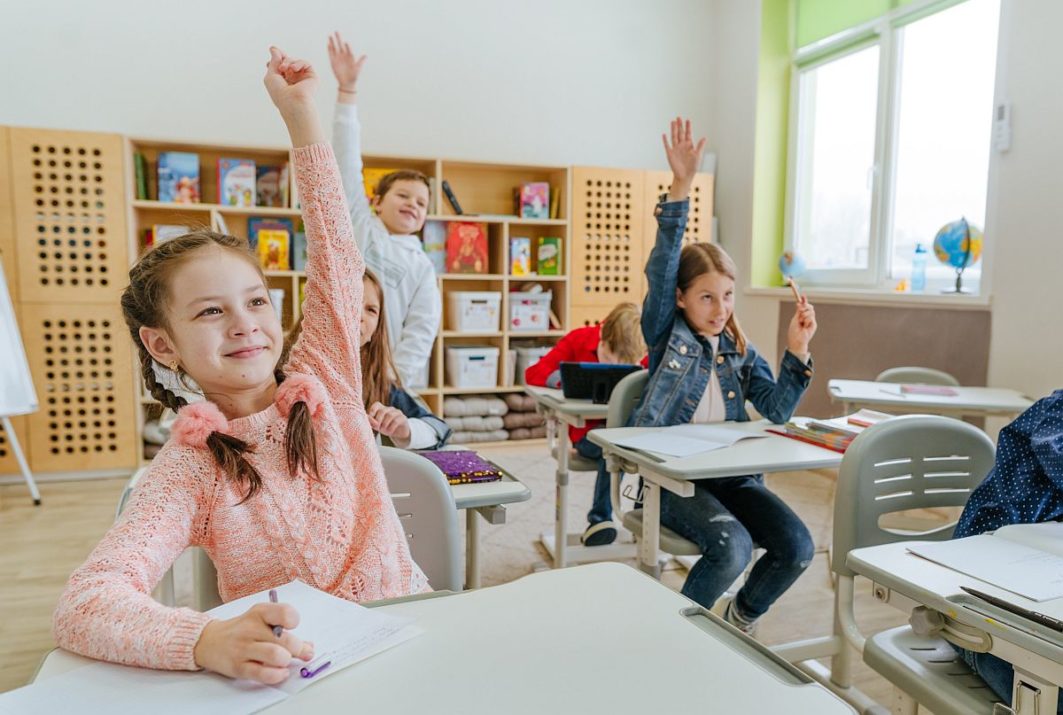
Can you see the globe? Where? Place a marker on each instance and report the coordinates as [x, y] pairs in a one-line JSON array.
[[958, 244], [791, 265]]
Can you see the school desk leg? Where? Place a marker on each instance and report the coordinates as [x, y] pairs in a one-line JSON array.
[[650, 540], [472, 549], [560, 525], [21, 459]]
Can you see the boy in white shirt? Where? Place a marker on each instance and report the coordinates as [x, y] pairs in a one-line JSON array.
[[388, 238]]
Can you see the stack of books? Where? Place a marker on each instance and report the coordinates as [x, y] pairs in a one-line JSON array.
[[836, 434]]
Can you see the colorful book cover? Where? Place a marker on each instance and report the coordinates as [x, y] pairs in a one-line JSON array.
[[555, 203], [178, 173], [257, 224], [299, 254], [466, 247], [520, 256], [236, 182], [140, 170], [435, 245], [273, 249], [461, 466], [371, 176], [535, 200], [549, 256], [268, 186]]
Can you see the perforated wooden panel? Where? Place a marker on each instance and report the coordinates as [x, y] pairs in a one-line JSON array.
[[81, 363], [699, 221], [8, 464], [70, 215], [608, 214]]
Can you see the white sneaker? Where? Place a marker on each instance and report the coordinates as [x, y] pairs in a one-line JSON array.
[[724, 608]]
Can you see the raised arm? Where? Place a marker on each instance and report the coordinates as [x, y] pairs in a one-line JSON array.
[[662, 269], [346, 140], [328, 344], [414, 344]]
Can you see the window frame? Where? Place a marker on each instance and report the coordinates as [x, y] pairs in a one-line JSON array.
[[885, 32]]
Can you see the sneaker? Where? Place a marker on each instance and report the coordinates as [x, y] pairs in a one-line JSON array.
[[725, 609], [600, 534]]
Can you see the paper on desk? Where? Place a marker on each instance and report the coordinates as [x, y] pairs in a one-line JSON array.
[[1024, 570], [686, 440], [341, 631], [109, 689]]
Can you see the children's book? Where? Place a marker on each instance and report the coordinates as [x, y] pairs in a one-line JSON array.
[[299, 251], [435, 245], [835, 434], [236, 182], [466, 247], [274, 246], [178, 173], [371, 176], [462, 466], [268, 186], [555, 203], [549, 256], [140, 169], [256, 224], [534, 200], [520, 256]]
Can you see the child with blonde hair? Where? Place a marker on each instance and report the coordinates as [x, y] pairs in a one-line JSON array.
[[618, 339], [387, 237], [276, 474]]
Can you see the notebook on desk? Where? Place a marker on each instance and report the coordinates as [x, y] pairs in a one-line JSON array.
[[592, 381], [463, 466]]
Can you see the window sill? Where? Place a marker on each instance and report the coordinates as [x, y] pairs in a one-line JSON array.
[[859, 296]]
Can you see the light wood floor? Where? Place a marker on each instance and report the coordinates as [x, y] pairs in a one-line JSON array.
[[45, 543]]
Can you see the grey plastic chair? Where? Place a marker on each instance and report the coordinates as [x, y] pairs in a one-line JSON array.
[[908, 462], [622, 403], [917, 376], [425, 505]]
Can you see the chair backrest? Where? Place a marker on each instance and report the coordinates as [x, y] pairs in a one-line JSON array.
[[917, 376], [425, 505], [625, 396], [908, 462]]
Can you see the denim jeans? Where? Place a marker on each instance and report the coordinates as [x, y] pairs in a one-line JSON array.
[[726, 518], [601, 506], [998, 674]]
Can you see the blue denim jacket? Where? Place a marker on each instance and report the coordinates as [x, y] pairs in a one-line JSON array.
[[681, 360]]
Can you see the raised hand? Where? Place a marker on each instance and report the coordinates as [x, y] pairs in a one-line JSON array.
[[801, 329], [245, 647], [346, 66], [291, 84], [684, 157]]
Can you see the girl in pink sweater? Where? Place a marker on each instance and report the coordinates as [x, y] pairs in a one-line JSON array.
[[275, 473]]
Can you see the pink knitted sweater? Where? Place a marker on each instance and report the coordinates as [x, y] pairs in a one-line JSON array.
[[340, 534]]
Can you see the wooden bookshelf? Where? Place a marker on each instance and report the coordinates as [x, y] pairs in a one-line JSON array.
[[485, 191]]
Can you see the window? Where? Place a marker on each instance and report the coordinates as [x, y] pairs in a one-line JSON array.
[[891, 141]]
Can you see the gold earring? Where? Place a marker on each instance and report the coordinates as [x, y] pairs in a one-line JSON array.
[[174, 366]]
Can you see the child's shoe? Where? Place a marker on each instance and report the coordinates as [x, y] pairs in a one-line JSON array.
[[600, 534], [724, 608]]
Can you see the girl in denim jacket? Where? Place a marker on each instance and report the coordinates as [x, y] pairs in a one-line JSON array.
[[702, 369]]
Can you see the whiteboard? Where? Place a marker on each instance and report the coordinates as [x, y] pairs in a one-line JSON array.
[[17, 396]]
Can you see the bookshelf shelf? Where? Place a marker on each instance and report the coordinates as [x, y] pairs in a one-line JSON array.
[[220, 208]]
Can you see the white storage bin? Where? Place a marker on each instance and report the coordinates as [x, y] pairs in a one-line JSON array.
[[526, 357], [472, 367], [529, 311], [474, 312]]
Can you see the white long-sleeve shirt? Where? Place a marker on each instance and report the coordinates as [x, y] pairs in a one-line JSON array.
[[411, 296]]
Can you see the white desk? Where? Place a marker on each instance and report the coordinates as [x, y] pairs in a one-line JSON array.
[[579, 640], [970, 401], [560, 413], [486, 499], [905, 581], [772, 453]]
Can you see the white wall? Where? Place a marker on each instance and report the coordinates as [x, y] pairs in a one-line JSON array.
[[1024, 223], [588, 82]]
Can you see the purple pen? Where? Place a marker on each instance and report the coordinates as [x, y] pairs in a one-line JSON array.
[[307, 673], [277, 630]]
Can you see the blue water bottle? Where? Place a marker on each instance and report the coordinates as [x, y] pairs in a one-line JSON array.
[[919, 269]]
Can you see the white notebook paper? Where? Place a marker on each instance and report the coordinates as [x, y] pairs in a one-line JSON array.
[[688, 440]]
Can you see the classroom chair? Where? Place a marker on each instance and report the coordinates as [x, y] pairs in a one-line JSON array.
[[622, 403], [423, 501], [908, 462], [917, 376]]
